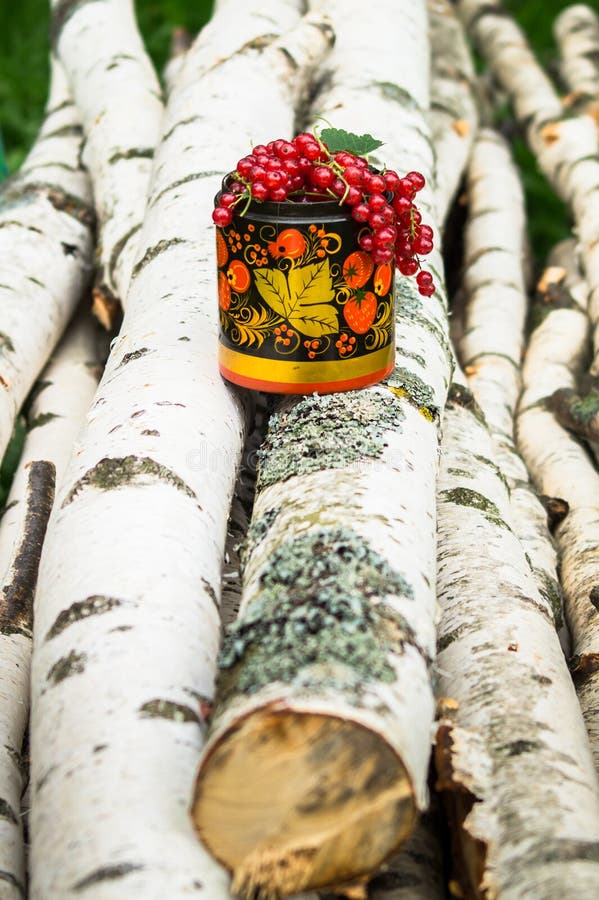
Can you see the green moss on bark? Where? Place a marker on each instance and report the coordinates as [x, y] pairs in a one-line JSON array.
[[467, 497], [321, 604], [115, 472], [327, 432]]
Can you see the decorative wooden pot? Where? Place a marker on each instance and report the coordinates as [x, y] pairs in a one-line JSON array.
[[302, 309]]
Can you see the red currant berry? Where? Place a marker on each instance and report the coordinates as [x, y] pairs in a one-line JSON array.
[[407, 266], [222, 216], [259, 190], [427, 290], [385, 235], [365, 241], [391, 180], [237, 187], [417, 179], [344, 158], [279, 195], [388, 214], [227, 200], [376, 221], [273, 180], [405, 188], [402, 204], [374, 183], [286, 150], [258, 173], [404, 248], [382, 255], [244, 166], [338, 187], [322, 177], [311, 151], [354, 195], [422, 246], [424, 277], [376, 202], [353, 175], [425, 230], [360, 212]]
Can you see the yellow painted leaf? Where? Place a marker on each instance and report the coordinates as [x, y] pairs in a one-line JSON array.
[[272, 287], [310, 300]]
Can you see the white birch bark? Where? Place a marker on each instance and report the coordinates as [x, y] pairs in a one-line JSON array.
[[119, 100], [45, 251], [565, 145], [16, 606], [561, 467], [354, 470], [576, 31], [492, 345], [63, 395], [127, 619], [453, 112], [511, 742]]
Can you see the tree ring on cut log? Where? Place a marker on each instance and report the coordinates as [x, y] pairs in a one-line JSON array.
[[318, 800]]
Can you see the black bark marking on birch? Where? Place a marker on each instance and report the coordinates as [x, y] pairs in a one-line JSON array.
[[321, 602], [8, 630], [576, 412], [169, 403], [14, 223], [9, 878], [551, 591], [183, 338], [61, 14], [594, 596], [119, 247], [462, 496], [478, 255], [555, 296], [556, 508], [404, 383], [153, 252], [95, 605], [180, 124], [518, 747], [135, 354], [167, 709], [392, 91], [6, 345], [180, 181], [16, 603], [300, 439], [112, 473], [7, 812], [64, 131], [132, 153], [17, 760], [151, 432], [41, 420], [211, 592], [460, 395], [66, 667], [105, 873]]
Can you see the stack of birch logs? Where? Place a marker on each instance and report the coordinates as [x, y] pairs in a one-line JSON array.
[[370, 668]]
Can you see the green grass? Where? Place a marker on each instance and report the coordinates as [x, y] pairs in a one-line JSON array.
[[24, 53]]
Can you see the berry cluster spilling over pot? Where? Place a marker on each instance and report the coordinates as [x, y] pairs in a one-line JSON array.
[[311, 168]]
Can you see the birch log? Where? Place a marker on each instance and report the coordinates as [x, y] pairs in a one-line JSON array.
[[493, 342], [453, 111], [127, 619], [181, 41], [63, 395], [576, 30], [511, 742], [16, 606], [565, 145], [561, 467], [119, 100], [45, 251], [326, 671]]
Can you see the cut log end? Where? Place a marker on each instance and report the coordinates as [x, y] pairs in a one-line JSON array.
[[319, 801]]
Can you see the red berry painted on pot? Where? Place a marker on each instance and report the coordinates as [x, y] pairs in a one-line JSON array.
[[359, 312]]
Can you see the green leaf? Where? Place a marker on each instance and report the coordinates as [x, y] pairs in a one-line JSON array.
[[337, 139], [272, 287], [311, 292]]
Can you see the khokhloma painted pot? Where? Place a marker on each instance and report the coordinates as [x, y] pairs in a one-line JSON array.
[[302, 309]]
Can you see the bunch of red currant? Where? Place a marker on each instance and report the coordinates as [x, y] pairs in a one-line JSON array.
[[304, 169]]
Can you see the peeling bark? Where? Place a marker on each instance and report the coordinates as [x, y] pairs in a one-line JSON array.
[[153, 478], [119, 99], [346, 497]]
